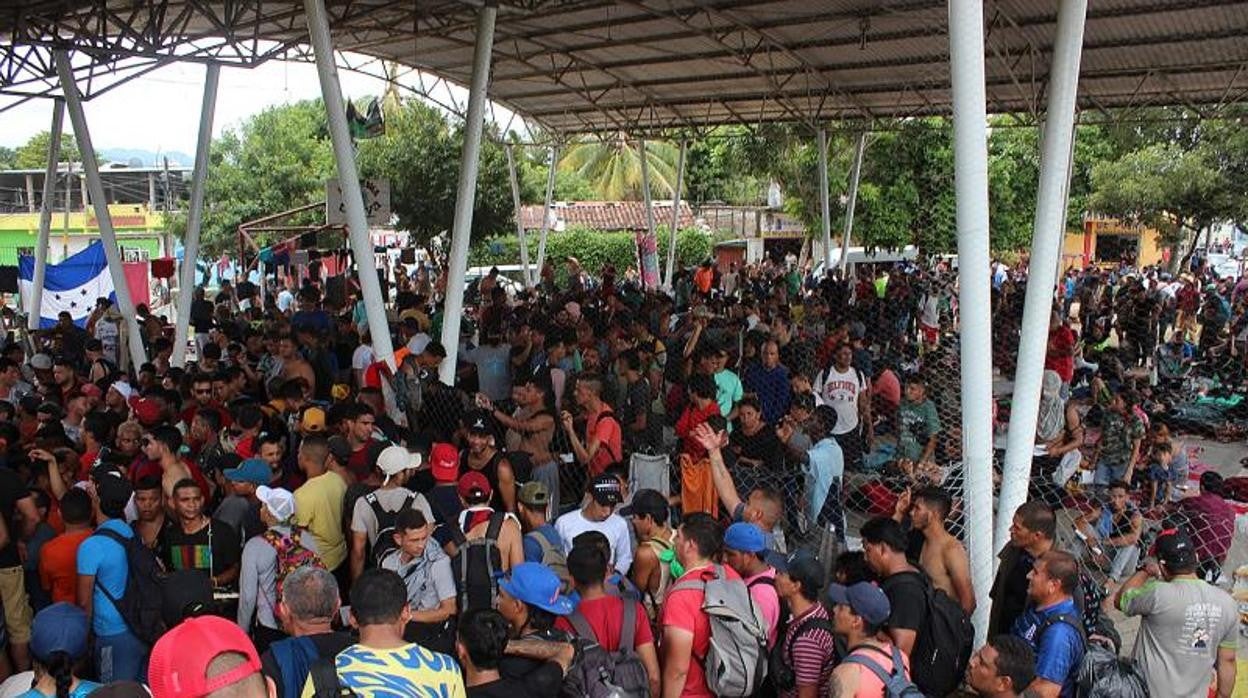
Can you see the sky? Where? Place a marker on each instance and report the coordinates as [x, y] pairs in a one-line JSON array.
[[160, 111]]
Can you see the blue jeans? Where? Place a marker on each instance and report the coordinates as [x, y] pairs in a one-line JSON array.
[[121, 657], [1106, 473]]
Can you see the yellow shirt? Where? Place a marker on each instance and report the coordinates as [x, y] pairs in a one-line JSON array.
[[318, 508], [410, 670]]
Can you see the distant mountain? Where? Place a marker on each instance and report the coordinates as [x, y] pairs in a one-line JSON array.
[[147, 158]]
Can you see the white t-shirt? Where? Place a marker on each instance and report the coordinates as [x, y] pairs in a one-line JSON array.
[[362, 358], [614, 527], [109, 335], [841, 391], [285, 300], [931, 310]]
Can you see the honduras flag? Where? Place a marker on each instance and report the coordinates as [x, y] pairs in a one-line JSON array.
[[71, 286]]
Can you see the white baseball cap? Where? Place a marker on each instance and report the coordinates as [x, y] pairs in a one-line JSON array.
[[279, 502], [395, 459]]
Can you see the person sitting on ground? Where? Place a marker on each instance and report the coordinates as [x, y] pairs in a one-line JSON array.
[[1160, 475], [859, 614], [1003, 668], [380, 611], [1109, 533], [1052, 626], [207, 657], [1211, 520]]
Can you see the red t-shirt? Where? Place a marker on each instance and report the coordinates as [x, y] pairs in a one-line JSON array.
[[1061, 353], [683, 610], [605, 616], [607, 430], [689, 419]]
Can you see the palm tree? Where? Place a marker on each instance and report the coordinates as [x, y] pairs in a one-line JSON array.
[[612, 166]]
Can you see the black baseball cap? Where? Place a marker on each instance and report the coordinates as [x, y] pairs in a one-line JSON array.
[[606, 490], [801, 566], [650, 503], [479, 422], [1175, 549]]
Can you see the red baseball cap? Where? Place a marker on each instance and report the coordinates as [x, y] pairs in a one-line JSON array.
[[180, 659], [444, 462], [474, 487], [146, 410]]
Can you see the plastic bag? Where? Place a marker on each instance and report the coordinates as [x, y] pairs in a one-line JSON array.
[[1105, 675]]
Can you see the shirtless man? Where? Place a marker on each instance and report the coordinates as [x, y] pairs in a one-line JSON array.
[[530, 429], [162, 445], [294, 365], [942, 555], [475, 493]]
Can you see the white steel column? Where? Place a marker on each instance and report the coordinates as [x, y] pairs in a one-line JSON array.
[[850, 205], [515, 199], [550, 194], [104, 220], [970, 160], [671, 243], [1046, 244], [651, 234], [825, 205], [194, 216], [349, 181], [45, 214], [469, 163]]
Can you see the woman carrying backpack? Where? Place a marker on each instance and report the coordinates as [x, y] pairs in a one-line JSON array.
[[267, 559]]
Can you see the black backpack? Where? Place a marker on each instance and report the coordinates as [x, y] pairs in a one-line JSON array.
[[780, 673], [602, 674], [477, 564], [942, 646], [139, 605], [385, 544]]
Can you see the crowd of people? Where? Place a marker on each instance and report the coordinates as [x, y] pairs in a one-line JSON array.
[[623, 493]]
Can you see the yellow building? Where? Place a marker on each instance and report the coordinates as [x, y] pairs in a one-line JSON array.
[[138, 229], [1106, 240]]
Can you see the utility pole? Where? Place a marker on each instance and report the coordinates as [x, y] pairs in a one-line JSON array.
[[168, 210]]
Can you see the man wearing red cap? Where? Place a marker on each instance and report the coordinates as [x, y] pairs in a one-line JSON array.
[[203, 657]]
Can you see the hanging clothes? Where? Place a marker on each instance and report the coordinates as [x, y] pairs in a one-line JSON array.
[[163, 268]]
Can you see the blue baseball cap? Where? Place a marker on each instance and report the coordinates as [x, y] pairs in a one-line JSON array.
[[538, 586], [864, 599], [745, 537], [61, 627], [252, 470]]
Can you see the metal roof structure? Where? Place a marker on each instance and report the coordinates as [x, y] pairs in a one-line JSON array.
[[645, 66]]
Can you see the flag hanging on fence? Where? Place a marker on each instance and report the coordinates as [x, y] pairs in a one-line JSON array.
[[71, 286]]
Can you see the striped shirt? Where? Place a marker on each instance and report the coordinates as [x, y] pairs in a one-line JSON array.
[[811, 654]]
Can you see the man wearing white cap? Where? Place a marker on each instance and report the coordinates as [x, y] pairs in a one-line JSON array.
[[266, 560], [379, 508]]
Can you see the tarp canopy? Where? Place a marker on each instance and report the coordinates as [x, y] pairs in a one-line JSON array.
[[577, 66]]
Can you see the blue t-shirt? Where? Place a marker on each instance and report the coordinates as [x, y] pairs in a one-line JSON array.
[[533, 549], [82, 690], [826, 465], [106, 560], [1059, 652]]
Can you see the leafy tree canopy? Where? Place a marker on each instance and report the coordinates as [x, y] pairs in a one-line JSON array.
[[34, 154]]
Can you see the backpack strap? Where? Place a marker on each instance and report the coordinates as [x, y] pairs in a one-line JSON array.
[[853, 657], [325, 682], [497, 519], [582, 627], [765, 581], [628, 633], [1052, 620], [809, 623], [378, 511]]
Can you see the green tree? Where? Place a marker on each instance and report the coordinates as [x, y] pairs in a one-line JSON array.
[[34, 154], [612, 166], [420, 154], [8, 158], [277, 160]]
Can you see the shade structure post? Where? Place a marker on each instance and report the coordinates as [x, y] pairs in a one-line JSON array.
[[195, 215], [515, 199], [466, 194], [77, 117], [647, 254], [970, 165], [671, 243], [550, 194], [348, 180], [825, 203], [45, 216], [1046, 244], [854, 175]]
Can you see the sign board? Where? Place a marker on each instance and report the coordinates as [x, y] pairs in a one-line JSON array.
[[376, 202]]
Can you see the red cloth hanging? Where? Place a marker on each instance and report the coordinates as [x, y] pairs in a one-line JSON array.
[[163, 268]]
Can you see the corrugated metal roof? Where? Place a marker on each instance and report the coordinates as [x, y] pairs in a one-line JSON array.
[[591, 65], [605, 215]]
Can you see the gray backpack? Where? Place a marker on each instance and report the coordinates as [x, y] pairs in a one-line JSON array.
[[736, 663], [603, 674]]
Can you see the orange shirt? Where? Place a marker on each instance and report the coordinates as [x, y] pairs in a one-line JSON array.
[[58, 566]]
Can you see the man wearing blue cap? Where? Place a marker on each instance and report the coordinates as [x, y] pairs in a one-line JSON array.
[[745, 551], [241, 508], [531, 598], [859, 613]]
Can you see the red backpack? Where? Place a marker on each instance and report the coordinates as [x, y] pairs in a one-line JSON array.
[[291, 554]]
